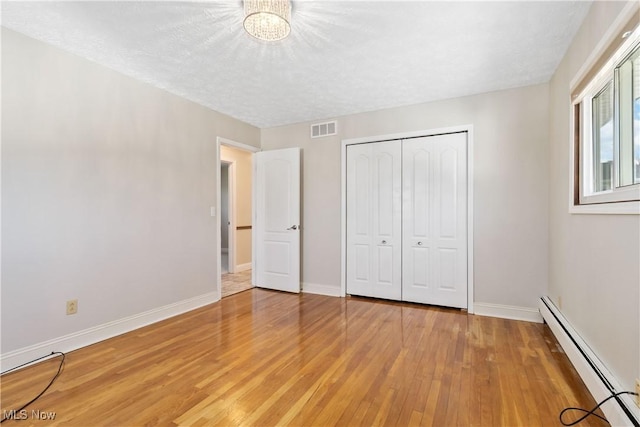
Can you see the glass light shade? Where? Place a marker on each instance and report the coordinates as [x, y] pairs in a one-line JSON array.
[[267, 19]]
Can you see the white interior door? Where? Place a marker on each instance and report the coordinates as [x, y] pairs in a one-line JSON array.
[[277, 222], [374, 236], [435, 220]]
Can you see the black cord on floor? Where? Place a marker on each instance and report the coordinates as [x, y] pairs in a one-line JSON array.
[[593, 411], [57, 353]]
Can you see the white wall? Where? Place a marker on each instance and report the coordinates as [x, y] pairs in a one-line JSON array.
[[106, 189], [510, 184], [594, 260]]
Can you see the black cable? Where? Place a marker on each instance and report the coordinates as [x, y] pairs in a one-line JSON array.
[[59, 353], [29, 363], [592, 412]]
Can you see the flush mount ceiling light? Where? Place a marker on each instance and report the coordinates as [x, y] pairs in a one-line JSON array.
[[267, 19]]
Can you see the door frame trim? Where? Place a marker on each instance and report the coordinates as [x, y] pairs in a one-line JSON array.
[[405, 135], [233, 144]]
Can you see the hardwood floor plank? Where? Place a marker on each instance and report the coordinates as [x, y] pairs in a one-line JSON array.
[[416, 419], [265, 358]]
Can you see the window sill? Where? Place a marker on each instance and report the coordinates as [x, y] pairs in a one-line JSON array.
[[621, 208]]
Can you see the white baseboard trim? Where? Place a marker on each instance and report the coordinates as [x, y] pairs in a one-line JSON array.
[[314, 288], [588, 364], [243, 267], [507, 312], [76, 340]]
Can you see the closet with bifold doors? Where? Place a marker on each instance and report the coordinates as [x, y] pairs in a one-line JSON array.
[[406, 219]]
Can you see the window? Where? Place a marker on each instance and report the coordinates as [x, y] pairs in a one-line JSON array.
[[606, 115], [602, 138], [628, 78]]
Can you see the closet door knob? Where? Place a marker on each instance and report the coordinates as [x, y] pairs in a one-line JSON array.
[[293, 227], [384, 242], [419, 243]]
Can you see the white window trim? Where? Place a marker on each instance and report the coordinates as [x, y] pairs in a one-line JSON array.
[[607, 202], [617, 194]]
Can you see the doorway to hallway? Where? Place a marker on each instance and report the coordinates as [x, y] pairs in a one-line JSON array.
[[235, 215]]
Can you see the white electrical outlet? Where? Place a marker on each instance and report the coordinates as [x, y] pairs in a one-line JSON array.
[[72, 306]]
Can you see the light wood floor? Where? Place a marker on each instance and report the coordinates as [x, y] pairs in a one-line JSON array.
[[236, 282], [268, 358]]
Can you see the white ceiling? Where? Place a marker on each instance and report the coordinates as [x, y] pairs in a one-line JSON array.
[[342, 57]]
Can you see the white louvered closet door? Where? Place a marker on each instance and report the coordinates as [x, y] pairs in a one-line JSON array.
[[434, 255], [374, 220]]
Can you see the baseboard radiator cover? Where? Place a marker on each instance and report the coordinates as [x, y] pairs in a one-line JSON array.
[[620, 411]]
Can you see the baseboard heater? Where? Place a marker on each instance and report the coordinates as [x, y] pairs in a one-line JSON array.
[[620, 411]]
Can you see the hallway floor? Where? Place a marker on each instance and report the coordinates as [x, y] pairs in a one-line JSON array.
[[234, 283]]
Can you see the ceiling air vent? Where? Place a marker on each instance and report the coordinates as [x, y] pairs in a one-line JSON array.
[[324, 129]]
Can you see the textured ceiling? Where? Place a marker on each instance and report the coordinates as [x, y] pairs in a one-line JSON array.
[[342, 57]]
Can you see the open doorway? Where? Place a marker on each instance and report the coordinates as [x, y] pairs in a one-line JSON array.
[[235, 207]]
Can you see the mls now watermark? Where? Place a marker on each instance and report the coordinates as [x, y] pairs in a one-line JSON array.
[[34, 414]]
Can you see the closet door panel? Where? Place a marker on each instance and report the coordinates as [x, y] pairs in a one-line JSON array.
[[387, 238], [434, 220], [450, 221], [418, 242], [359, 220], [374, 197]]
